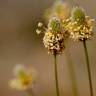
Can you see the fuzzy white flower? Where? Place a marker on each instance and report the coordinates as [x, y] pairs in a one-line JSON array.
[[24, 78]]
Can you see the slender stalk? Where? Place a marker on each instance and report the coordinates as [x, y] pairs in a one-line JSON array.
[[29, 92], [56, 75], [72, 73], [88, 68], [73, 79]]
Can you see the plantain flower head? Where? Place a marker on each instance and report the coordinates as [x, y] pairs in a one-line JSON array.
[[54, 36], [80, 26], [24, 78], [59, 9]]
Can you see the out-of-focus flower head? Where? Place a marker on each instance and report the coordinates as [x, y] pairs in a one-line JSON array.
[[24, 78], [59, 9], [54, 36], [80, 26]]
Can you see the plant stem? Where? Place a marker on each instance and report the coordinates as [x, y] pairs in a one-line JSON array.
[[30, 92], [88, 68], [71, 72], [56, 75], [73, 79]]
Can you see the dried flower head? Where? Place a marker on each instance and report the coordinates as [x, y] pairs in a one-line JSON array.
[[24, 78], [80, 27], [54, 37], [59, 9]]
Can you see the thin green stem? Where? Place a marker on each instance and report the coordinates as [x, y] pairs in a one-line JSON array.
[[88, 68], [72, 73], [56, 75], [73, 79], [30, 92]]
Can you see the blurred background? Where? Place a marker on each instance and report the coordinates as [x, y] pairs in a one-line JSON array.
[[19, 44]]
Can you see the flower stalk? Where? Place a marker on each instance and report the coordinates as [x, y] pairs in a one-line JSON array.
[[56, 74], [88, 68], [72, 73], [29, 92], [73, 80]]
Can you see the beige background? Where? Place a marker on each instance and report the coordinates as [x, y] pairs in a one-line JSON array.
[[19, 44]]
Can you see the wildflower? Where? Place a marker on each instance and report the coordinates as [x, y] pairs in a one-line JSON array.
[[54, 37], [24, 78], [60, 9], [80, 26]]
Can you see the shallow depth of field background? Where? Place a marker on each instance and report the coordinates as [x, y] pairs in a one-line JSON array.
[[19, 44]]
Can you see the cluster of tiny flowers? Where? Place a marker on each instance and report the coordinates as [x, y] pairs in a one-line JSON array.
[[54, 42], [78, 30], [81, 32], [54, 37], [24, 78]]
